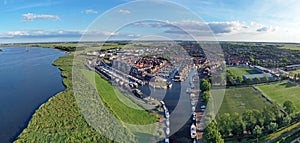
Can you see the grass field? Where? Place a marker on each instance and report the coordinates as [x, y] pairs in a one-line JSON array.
[[282, 91], [295, 71], [242, 71], [290, 46], [240, 99]]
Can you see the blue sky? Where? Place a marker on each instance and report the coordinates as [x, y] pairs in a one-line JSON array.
[[74, 20]]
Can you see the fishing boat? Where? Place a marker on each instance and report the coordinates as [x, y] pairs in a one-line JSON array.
[[169, 85], [193, 131]]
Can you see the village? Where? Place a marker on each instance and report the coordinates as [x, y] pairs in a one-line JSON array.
[[160, 67]]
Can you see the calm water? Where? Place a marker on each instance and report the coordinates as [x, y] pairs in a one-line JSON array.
[[27, 80], [179, 104]]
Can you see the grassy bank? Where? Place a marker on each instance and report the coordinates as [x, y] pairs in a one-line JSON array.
[[59, 119], [124, 109], [109, 97], [282, 91]]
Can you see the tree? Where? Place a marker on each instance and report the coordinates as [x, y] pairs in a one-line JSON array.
[[269, 116], [286, 120], [258, 116], [249, 120], [276, 111], [266, 78], [248, 80], [237, 125], [257, 79], [204, 85], [224, 124], [239, 79], [211, 134], [206, 96], [272, 127], [289, 106], [257, 131]]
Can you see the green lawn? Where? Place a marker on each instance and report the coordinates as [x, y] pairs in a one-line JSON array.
[[240, 99], [242, 71], [282, 91]]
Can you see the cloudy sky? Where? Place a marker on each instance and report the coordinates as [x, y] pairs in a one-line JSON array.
[[75, 20]]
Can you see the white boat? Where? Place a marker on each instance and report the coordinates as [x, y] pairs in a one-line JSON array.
[[203, 107], [192, 95], [170, 85], [162, 102], [193, 108], [168, 122], [193, 131], [167, 114], [165, 108], [167, 131], [193, 103], [194, 118], [167, 140]]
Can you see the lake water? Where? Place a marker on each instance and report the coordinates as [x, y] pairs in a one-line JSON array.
[[27, 80]]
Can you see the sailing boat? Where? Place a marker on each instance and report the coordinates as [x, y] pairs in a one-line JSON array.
[[27, 49]]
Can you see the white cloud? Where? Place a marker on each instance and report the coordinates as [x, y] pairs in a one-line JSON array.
[[90, 11], [218, 28], [30, 17], [123, 11], [61, 33]]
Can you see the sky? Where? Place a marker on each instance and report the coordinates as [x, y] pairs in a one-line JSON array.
[[100, 20]]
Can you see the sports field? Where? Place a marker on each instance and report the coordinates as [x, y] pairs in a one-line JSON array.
[[240, 99], [242, 71], [282, 91]]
